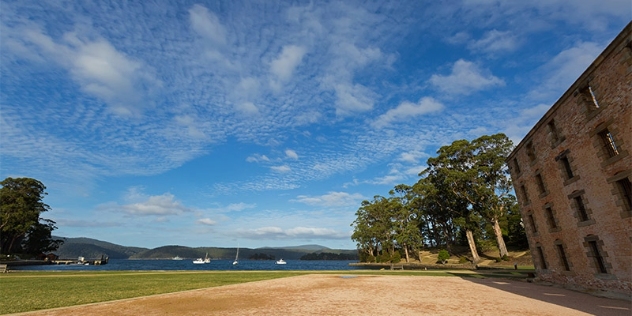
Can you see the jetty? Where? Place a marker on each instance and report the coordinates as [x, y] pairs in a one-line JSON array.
[[82, 261]]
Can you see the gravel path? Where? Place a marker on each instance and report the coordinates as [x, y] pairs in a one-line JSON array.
[[363, 295]]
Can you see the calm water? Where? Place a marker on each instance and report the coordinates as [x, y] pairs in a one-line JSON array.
[[122, 264]]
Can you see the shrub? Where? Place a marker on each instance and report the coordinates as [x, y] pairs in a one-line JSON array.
[[396, 258], [506, 258], [463, 260], [443, 256]]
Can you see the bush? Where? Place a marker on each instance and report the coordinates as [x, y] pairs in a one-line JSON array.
[[396, 258], [506, 258], [443, 256], [463, 260]]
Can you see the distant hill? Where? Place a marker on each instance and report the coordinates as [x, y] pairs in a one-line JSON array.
[[93, 248]]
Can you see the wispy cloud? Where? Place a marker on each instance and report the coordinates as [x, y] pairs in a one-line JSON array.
[[331, 199], [408, 111], [495, 41], [465, 78], [291, 154], [300, 233]]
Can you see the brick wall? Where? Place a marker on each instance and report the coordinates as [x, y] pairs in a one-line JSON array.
[[570, 179]]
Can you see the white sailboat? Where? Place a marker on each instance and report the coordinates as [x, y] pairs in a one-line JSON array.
[[207, 259], [236, 257]]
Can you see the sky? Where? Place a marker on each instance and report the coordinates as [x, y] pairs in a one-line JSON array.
[[266, 123]]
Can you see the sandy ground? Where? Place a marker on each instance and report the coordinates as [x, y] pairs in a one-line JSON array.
[[363, 295]]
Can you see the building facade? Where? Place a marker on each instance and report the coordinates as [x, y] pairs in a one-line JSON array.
[[572, 175]]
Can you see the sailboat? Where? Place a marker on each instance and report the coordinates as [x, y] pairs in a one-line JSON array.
[[236, 257], [207, 259]]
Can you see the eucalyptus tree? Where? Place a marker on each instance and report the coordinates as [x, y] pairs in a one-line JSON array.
[[453, 173], [407, 219], [491, 188], [21, 204]]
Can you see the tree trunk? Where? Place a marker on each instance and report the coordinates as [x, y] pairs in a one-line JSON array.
[[499, 238], [406, 252], [472, 244]]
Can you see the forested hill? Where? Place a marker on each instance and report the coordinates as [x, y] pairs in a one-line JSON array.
[[92, 248]]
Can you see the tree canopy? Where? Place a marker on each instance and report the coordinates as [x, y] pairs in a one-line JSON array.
[[464, 196], [22, 229]]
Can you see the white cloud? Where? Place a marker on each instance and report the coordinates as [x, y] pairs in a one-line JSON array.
[[331, 199], [281, 169], [99, 69], [302, 233], [563, 69], [238, 207], [407, 111], [353, 99], [206, 221], [495, 41], [283, 66], [207, 24], [165, 204], [291, 154], [466, 78], [257, 158]]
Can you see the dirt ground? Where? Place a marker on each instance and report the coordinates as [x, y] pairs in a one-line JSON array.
[[363, 295]]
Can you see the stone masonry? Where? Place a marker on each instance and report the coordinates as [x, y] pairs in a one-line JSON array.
[[572, 175]]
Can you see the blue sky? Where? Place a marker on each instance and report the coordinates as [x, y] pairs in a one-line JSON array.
[[266, 123]]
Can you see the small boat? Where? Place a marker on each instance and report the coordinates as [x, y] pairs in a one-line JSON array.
[[281, 261], [198, 261], [236, 257], [176, 258], [207, 259]]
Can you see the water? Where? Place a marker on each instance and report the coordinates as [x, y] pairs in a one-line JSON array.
[[187, 264]]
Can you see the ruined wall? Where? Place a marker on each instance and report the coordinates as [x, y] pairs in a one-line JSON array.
[[572, 173]]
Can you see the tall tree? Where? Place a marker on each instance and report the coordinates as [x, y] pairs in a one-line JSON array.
[[492, 185], [21, 204]]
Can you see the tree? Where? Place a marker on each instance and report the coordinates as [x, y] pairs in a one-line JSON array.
[[20, 208]]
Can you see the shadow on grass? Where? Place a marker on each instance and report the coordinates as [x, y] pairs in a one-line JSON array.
[[571, 299]]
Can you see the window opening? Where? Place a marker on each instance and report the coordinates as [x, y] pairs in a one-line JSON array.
[[538, 179], [601, 266], [541, 253], [567, 167], [532, 222], [555, 137], [592, 97], [608, 142], [625, 187], [524, 194], [516, 165], [563, 258], [550, 217], [581, 208], [530, 151]]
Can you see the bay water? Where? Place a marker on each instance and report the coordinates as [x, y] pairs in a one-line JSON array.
[[187, 264]]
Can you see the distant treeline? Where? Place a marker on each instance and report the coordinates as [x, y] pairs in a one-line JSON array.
[[261, 256], [329, 256]]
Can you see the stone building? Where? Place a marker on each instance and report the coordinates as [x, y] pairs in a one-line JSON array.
[[572, 175]]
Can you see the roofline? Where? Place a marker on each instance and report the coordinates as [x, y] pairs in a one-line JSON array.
[[625, 36]]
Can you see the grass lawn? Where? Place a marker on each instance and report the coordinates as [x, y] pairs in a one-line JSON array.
[[31, 291]]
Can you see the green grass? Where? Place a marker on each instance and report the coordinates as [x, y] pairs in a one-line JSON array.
[[31, 291], [22, 292]]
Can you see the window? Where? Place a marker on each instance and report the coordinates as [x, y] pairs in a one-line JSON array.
[[588, 97], [610, 147], [556, 138], [540, 182], [550, 217], [541, 254], [562, 254], [530, 151], [581, 208], [532, 224], [567, 167], [625, 190], [596, 254], [525, 195], [517, 166]]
